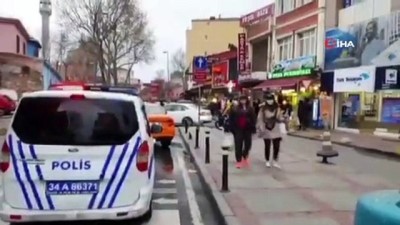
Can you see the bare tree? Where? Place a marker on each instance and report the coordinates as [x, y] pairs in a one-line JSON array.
[[179, 66], [118, 30], [62, 45]]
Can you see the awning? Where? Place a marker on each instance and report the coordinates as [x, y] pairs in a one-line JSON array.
[[285, 83]]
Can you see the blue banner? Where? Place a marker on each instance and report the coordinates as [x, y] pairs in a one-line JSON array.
[[391, 110], [371, 42]]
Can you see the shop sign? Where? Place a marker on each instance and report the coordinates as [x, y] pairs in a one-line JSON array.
[[359, 79], [370, 42], [242, 52], [258, 15], [220, 74], [302, 66], [387, 78]]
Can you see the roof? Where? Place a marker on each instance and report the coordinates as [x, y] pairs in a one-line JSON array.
[[227, 19], [88, 94], [34, 41], [18, 24]]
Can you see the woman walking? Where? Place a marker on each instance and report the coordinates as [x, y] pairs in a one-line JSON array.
[[242, 120], [268, 126]]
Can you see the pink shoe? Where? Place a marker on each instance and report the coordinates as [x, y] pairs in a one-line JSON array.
[[239, 165], [245, 162]]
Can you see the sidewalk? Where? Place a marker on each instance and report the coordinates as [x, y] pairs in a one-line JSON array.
[[367, 142], [302, 193]]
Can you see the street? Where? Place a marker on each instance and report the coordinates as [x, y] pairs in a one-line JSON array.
[[178, 197]]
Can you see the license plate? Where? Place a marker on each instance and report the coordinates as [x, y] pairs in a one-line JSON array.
[[72, 187]]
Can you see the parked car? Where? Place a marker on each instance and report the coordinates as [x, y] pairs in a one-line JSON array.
[[157, 114], [188, 113], [7, 105]]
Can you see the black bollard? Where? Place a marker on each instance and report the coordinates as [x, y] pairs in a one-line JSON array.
[[186, 127], [197, 137], [225, 154], [207, 142]]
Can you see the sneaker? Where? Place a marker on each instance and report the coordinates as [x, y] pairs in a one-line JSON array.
[[239, 165], [245, 162], [268, 164], [276, 165]]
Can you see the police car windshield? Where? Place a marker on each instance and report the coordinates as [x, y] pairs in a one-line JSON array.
[[63, 121]]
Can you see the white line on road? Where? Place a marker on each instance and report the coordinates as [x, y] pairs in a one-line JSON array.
[[163, 201], [164, 190], [166, 181], [193, 205]]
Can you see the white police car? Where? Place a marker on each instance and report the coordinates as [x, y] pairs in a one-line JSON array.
[[77, 155]]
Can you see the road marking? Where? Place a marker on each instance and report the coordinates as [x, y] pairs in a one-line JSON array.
[[166, 181], [192, 171], [170, 217], [164, 190], [166, 201], [191, 196]]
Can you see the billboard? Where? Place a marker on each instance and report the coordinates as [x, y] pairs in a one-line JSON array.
[[220, 74], [302, 66], [371, 42], [257, 16]]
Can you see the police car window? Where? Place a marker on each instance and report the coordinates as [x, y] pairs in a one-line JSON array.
[[63, 121]]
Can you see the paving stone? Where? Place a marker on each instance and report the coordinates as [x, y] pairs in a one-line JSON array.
[[338, 200], [299, 220], [283, 201], [254, 181], [317, 181]]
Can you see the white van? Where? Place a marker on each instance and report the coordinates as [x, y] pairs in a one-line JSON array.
[[77, 155]]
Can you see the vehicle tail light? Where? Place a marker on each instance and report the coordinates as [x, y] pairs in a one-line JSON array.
[[77, 97], [142, 160], [5, 158], [170, 123]]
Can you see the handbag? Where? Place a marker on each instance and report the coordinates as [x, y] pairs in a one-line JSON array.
[[282, 128]]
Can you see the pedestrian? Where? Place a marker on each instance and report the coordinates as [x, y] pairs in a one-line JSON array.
[[242, 121], [269, 120], [287, 109], [301, 114]]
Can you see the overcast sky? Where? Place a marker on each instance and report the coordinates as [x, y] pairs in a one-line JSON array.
[[168, 19]]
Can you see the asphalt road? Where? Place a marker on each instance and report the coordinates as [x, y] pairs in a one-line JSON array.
[[178, 198]]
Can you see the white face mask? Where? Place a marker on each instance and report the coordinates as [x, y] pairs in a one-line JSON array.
[[235, 102], [270, 102]]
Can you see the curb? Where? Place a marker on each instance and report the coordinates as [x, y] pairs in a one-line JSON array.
[[358, 148], [217, 199]]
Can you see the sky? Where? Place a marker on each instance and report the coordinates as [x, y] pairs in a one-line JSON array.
[[168, 19]]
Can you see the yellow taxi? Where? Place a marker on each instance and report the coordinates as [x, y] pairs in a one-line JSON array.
[[157, 114]]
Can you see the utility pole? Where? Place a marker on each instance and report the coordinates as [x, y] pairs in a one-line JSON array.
[[45, 11]]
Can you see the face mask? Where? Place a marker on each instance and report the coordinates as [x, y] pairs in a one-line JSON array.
[[235, 102], [270, 102]]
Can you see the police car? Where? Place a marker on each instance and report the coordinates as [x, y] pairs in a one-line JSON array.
[[77, 155]]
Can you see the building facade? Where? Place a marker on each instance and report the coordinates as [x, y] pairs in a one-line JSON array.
[[362, 65], [210, 36], [14, 37], [258, 27]]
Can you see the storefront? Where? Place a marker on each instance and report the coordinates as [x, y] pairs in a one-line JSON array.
[[294, 78]]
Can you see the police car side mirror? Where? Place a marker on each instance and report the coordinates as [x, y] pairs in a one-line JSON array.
[[156, 128]]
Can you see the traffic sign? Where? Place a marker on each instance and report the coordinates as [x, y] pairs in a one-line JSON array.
[[200, 63]]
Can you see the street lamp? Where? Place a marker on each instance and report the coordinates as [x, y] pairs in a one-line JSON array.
[[168, 75]]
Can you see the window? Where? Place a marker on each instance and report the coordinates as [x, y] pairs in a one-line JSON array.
[[24, 48], [285, 48], [302, 2], [64, 121], [18, 47], [307, 43], [286, 6]]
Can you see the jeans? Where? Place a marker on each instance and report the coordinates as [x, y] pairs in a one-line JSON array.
[[276, 145], [243, 140]]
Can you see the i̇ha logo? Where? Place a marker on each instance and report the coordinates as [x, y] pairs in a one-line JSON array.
[[331, 43]]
